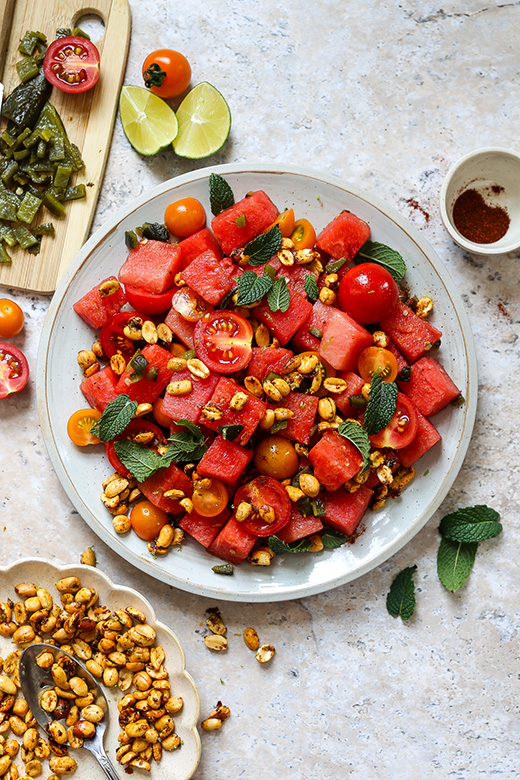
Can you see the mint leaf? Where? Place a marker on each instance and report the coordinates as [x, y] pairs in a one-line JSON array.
[[186, 446], [311, 287], [381, 405], [332, 539], [263, 247], [193, 428], [471, 524], [358, 437], [252, 288], [385, 256], [115, 418], [140, 461], [230, 432], [400, 601], [454, 562], [279, 297], [220, 194], [280, 548]]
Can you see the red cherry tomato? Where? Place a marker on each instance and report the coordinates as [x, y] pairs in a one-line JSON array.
[[80, 425], [112, 338], [72, 64], [368, 293], [376, 360], [148, 302], [402, 427], [185, 217], [166, 73], [223, 341], [189, 304], [132, 431], [14, 370], [11, 318], [303, 235], [210, 501], [147, 520], [264, 492]]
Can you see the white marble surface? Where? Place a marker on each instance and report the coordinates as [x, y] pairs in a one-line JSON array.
[[387, 96]]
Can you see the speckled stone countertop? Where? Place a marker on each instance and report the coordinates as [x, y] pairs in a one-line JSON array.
[[386, 96]]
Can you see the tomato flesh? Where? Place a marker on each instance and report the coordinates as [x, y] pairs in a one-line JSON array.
[[303, 235], [112, 337], [377, 360], [166, 73], [212, 500], [11, 318], [401, 429], [147, 520], [368, 293], [189, 304], [80, 425], [264, 492], [223, 341], [185, 217], [14, 370], [72, 64]]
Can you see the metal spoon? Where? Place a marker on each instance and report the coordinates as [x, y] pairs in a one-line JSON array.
[[34, 680]]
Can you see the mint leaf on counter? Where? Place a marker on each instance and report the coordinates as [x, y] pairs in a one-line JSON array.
[[252, 288], [385, 256], [279, 297], [220, 194], [454, 562], [115, 418], [381, 405], [471, 524], [263, 247], [310, 286], [358, 437], [140, 461], [400, 601]]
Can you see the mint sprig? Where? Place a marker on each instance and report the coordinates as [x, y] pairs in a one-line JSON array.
[[381, 405], [454, 562], [252, 288], [471, 524], [115, 418], [385, 256], [280, 548], [279, 297], [358, 437], [400, 601], [310, 286], [186, 446], [263, 247], [220, 194], [140, 461]]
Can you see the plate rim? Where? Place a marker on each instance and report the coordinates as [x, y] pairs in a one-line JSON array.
[[288, 592]]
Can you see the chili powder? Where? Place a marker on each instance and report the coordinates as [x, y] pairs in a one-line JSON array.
[[477, 221]]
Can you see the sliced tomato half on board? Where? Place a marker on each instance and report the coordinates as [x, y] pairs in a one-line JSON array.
[[71, 64], [14, 370]]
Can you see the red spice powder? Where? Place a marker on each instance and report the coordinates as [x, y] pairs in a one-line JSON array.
[[477, 221]]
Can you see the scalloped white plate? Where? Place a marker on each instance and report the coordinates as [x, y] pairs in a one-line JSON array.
[[177, 765], [319, 198]]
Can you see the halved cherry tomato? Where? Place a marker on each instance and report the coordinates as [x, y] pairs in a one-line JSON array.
[[166, 73], [285, 222], [189, 304], [368, 292], [72, 64], [276, 457], [185, 217], [148, 302], [11, 318], [264, 492], [223, 341], [377, 360], [112, 338], [147, 520], [303, 235], [131, 433], [14, 370], [160, 417], [402, 427], [210, 501], [80, 425]]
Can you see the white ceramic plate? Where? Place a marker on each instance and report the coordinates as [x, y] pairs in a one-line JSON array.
[[177, 765], [319, 198]]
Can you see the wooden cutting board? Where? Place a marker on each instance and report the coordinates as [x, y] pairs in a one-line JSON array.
[[88, 118]]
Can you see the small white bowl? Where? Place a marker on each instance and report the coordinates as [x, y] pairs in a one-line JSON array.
[[482, 170]]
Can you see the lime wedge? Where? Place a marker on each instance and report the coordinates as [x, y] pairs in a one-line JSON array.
[[149, 123], [204, 122]]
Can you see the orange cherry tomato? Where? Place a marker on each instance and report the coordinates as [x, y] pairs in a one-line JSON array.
[[189, 304], [80, 425], [178, 350], [376, 360], [147, 520], [160, 418], [276, 457], [11, 318], [212, 500], [285, 222], [185, 217], [303, 235], [166, 73]]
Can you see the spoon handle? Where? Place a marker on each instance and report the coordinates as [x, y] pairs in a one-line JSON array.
[[106, 764]]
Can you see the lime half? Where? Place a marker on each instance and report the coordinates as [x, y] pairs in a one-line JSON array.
[[204, 122], [149, 123]]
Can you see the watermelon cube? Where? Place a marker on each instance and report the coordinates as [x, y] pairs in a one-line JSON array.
[[335, 460], [295, 276], [344, 236], [210, 276], [401, 362], [152, 266], [284, 324], [430, 388], [413, 336], [249, 416], [354, 385], [169, 478], [299, 526], [194, 245], [188, 407], [254, 214], [203, 529], [146, 389], [181, 328], [95, 309], [343, 510], [225, 460], [100, 388], [304, 407], [343, 340], [426, 437], [267, 359], [317, 319], [233, 543]]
